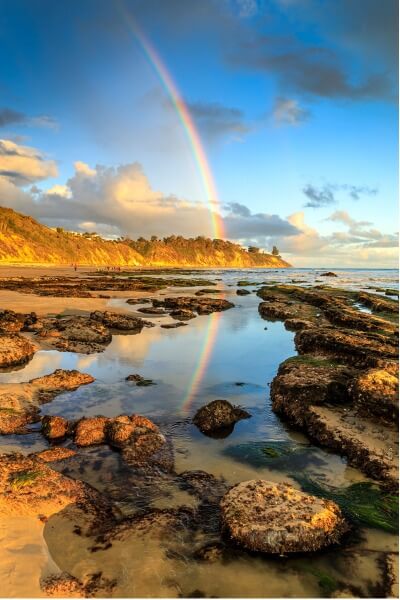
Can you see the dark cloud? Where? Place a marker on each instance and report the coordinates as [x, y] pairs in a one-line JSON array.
[[9, 116], [238, 209], [241, 224], [313, 71], [287, 111], [216, 120], [324, 196], [318, 197]]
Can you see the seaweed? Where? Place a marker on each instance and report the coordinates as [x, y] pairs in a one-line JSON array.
[[363, 503], [274, 454], [23, 479], [326, 582]]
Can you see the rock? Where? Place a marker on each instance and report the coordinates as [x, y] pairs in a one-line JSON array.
[[15, 350], [244, 283], [308, 380], [54, 428], [121, 322], [207, 291], [63, 585], [138, 300], [91, 431], [182, 314], [29, 487], [218, 414], [148, 451], [378, 303], [359, 350], [165, 525], [376, 392], [75, 334], [55, 454], [278, 519], [203, 485], [152, 310], [243, 292], [328, 274], [203, 306], [61, 380], [139, 380], [120, 430], [12, 322], [20, 402], [173, 325]]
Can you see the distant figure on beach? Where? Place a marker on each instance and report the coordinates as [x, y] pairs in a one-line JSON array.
[[75, 267]]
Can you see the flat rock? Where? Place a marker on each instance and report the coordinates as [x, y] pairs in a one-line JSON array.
[[277, 519], [55, 454], [120, 321], [203, 306], [29, 487]]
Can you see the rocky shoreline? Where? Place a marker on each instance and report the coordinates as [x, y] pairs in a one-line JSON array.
[[341, 391]]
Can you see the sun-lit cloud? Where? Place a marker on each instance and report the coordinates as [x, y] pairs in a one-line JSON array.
[[23, 165]]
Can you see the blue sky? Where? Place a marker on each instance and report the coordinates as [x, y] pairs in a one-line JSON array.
[[294, 100]]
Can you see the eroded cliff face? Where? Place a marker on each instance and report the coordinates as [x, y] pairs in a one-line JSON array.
[[25, 241]]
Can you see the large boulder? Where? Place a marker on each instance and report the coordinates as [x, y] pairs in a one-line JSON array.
[[277, 518], [218, 414], [15, 350]]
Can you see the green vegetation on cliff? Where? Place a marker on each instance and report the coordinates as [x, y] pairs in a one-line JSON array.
[[25, 241]]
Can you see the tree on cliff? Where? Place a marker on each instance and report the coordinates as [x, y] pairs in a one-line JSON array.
[[254, 250], [275, 251]]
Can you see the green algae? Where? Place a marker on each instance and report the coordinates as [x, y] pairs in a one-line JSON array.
[[363, 503], [281, 455], [315, 361], [23, 479]]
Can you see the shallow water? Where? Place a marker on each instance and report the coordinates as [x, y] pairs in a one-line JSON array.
[[232, 355]]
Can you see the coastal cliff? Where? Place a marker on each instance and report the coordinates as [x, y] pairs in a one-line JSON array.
[[25, 241]]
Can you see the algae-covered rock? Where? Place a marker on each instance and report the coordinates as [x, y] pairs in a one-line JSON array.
[[29, 487], [15, 350], [277, 518], [218, 414]]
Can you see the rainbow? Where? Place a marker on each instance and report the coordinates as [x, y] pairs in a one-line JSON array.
[[186, 120], [207, 178], [205, 356]]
